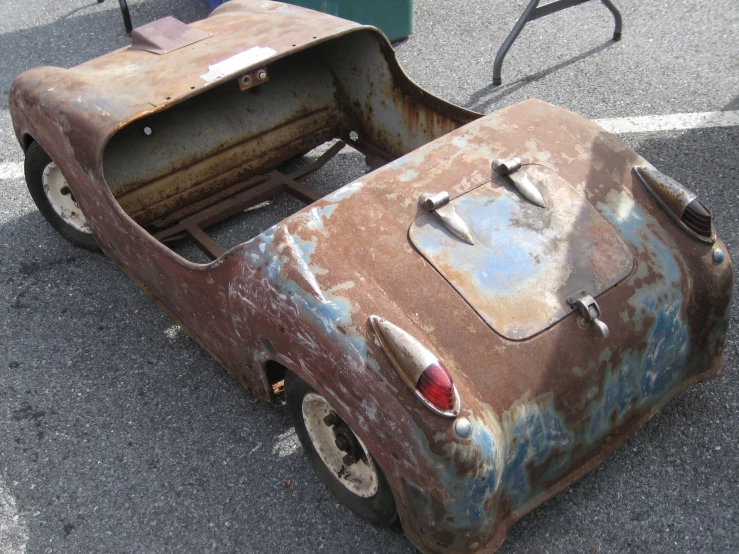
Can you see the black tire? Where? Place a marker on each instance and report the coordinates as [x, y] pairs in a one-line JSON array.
[[35, 163], [380, 509]]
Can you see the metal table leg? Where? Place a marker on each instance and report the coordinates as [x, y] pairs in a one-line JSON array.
[[534, 11], [126, 15], [616, 16], [510, 39]]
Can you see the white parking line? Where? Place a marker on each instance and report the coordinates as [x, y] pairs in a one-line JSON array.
[[671, 122]]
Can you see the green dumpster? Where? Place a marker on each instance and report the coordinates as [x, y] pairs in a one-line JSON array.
[[392, 17]]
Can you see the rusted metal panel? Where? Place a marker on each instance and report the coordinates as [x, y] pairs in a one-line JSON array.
[[543, 411], [526, 260]]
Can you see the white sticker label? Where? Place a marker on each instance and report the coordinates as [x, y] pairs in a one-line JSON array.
[[235, 63]]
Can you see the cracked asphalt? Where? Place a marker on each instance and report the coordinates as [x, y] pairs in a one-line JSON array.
[[120, 434]]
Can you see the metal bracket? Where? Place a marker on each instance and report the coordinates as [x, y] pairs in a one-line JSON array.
[[512, 169], [439, 205], [589, 310]]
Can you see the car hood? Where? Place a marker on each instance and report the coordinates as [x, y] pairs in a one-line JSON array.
[[525, 260]]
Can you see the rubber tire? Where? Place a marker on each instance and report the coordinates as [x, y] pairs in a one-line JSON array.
[[36, 161], [380, 509]]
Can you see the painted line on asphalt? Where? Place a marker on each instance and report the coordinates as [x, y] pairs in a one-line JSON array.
[[671, 122]]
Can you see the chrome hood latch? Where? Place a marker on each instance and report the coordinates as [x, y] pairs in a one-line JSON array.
[[589, 310]]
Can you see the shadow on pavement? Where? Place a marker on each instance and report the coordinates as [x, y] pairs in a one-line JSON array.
[[482, 99]]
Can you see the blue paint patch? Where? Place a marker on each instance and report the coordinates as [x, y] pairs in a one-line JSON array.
[[330, 312], [534, 434]]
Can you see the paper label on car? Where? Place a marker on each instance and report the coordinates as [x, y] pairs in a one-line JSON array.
[[239, 61]]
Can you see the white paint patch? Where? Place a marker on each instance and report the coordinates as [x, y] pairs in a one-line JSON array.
[[287, 443], [11, 170], [13, 530], [671, 122], [172, 332]]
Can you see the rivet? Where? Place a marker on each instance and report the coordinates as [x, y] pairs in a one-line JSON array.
[[147, 131], [718, 255], [463, 427]]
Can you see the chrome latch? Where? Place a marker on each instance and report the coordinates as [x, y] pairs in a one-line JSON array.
[[589, 310], [512, 169], [439, 205]]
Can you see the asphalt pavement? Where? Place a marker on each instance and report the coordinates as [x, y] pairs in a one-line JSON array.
[[119, 434]]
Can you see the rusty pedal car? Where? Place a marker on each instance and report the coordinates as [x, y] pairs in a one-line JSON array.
[[462, 332]]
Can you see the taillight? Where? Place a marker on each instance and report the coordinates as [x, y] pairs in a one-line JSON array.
[[680, 203], [698, 218], [419, 368]]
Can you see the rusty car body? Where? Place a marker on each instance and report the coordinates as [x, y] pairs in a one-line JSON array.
[[566, 316]]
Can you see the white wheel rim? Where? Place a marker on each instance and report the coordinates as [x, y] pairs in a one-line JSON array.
[[61, 199], [360, 477]]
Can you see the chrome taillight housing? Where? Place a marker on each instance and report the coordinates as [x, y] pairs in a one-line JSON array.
[[680, 203], [419, 368]]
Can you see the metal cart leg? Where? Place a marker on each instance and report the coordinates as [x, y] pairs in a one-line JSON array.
[[616, 16], [510, 39], [533, 11], [126, 15]]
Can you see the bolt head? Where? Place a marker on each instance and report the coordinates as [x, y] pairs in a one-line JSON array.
[[147, 131], [261, 75], [342, 444], [718, 255], [331, 419], [463, 427]]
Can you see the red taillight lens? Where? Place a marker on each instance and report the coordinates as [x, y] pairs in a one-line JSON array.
[[435, 385], [420, 369], [698, 218]]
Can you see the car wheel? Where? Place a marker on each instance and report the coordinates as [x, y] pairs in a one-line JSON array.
[[338, 456], [54, 199]]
